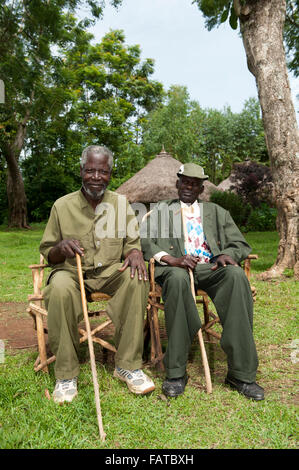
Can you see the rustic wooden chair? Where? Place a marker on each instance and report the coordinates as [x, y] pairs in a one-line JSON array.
[[39, 314], [155, 304]]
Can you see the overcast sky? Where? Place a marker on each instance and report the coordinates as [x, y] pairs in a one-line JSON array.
[[211, 64]]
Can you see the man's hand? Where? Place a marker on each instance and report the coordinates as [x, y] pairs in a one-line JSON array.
[[135, 260], [222, 261], [65, 249], [185, 262]]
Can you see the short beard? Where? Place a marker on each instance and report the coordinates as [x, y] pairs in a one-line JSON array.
[[94, 195]]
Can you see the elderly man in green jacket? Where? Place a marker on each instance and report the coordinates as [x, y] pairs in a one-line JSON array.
[[101, 226], [213, 249]]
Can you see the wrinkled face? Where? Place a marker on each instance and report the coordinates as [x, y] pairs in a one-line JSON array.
[[95, 176], [189, 188]]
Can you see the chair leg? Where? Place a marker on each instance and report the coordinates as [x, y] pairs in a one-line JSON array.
[[41, 341], [156, 348], [205, 301], [146, 332]]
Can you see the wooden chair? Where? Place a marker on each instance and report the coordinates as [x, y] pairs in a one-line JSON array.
[[39, 314], [155, 304]]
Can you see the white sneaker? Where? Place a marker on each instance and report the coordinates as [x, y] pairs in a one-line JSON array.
[[65, 390], [137, 381]]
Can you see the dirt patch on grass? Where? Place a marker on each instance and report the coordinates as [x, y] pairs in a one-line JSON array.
[[13, 309], [16, 326]]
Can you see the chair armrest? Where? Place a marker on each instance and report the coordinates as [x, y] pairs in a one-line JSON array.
[[37, 266], [247, 265], [37, 276]]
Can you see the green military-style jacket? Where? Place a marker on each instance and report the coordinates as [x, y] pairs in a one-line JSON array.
[[162, 230], [107, 234]]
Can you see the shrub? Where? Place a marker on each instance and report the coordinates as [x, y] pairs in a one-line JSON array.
[[253, 182], [234, 204], [262, 219], [247, 218]]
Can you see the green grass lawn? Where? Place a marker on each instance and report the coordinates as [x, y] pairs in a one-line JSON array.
[[223, 420]]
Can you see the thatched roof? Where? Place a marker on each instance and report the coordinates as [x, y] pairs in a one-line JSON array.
[[156, 181]]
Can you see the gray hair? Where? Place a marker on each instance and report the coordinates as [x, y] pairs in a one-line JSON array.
[[99, 150]]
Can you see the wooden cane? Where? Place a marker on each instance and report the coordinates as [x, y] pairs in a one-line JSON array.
[[91, 350], [201, 343], [200, 337]]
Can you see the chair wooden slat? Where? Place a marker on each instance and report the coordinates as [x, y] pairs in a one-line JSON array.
[[39, 314], [155, 304]]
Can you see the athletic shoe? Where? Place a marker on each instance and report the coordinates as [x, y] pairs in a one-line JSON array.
[[137, 381], [65, 390]]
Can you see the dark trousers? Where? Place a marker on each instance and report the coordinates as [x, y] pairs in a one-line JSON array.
[[229, 289]]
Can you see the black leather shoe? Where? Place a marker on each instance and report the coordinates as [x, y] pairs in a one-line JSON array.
[[249, 390], [174, 387]]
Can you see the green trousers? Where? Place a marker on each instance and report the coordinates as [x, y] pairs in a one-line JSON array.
[[230, 292], [126, 310]]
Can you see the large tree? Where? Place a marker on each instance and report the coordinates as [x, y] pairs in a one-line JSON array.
[[105, 90], [171, 125], [29, 30], [262, 27], [213, 138], [31, 34], [60, 91]]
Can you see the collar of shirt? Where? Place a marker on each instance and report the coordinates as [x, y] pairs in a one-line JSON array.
[[84, 203], [191, 208]]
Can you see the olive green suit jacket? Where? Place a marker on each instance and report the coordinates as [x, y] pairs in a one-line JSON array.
[[162, 230]]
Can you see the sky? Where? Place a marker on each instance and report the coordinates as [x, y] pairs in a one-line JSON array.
[[211, 64]]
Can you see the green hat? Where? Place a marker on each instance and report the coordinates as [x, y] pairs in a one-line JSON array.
[[193, 170]]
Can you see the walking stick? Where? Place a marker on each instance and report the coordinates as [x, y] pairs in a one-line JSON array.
[[91, 350], [200, 337]]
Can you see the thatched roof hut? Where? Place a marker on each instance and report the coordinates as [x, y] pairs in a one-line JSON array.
[[156, 181]]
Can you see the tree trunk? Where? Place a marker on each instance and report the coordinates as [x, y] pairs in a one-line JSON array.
[[17, 201], [262, 32]]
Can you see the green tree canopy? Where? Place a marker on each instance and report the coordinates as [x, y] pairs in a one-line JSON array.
[[29, 30], [170, 126], [215, 139], [62, 93], [107, 92]]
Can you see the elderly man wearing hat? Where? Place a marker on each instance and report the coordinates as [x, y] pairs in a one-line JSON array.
[[215, 247]]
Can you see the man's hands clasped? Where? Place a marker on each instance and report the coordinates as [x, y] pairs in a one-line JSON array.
[[69, 248], [222, 261], [65, 249], [186, 262], [190, 261]]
